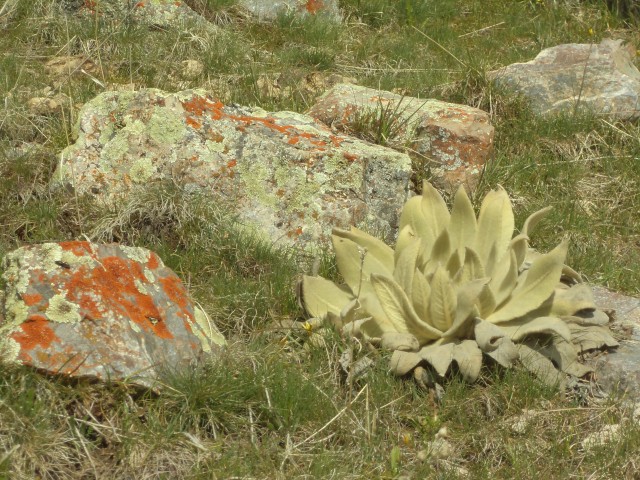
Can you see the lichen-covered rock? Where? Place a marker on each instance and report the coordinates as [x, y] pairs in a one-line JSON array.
[[619, 371], [284, 173], [565, 78], [156, 13], [270, 9], [455, 140], [100, 311]]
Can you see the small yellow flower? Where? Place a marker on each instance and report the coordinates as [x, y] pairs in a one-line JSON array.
[[308, 327], [591, 31]]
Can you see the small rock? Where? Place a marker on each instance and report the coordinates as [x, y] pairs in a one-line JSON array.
[[454, 141], [103, 311], [270, 10], [192, 69], [522, 422], [600, 78], [608, 434]]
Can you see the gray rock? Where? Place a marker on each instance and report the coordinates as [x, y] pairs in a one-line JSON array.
[[102, 311], [598, 78], [269, 9], [286, 175], [619, 370], [453, 141]]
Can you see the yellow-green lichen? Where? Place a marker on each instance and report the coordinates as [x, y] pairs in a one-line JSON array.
[[9, 350], [142, 170], [137, 254], [166, 127], [148, 274], [62, 310], [140, 286]]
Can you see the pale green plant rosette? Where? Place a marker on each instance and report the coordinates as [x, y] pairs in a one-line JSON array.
[[457, 288]]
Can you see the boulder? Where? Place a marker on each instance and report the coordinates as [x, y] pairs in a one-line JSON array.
[[269, 9], [619, 370], [101, 311], [565, 78], [286, 175], [453, 141]]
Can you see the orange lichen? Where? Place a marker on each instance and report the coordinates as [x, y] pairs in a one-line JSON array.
[[350, 156], [34, 332], [78, 248], [231, 163], [314, 6], [174, 289], [154, 261], [192, 122], [31, 299]]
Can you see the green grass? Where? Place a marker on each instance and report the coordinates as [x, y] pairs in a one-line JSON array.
[[270, 407]]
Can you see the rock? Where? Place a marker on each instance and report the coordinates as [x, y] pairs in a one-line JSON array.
[[62, 67], [607, 434], [455, 140], [270, 10], [599, 78], [192, 69], [619, 370], [283, 173], [102, 311], [167, 14]]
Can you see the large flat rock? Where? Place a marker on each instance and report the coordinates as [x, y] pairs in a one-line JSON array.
[[286, 175], [567, 78]]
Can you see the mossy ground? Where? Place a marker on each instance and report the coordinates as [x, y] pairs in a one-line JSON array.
[[271, 409]]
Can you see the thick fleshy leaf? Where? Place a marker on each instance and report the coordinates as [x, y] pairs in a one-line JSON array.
[[469, 359], [320, 296], [463, 224], [370, 306], [538, 285], [454, 264], [563, 354], [443, 304], [434, 209], [440, 252], [405, 237], [540, 366], [568, 301], [533, 219], [380, 250], [486, 303], [438, 356], [413, 215], [504, 278], [420, 295], [356, 264], [495, 224], [399, 310], [494, 343], [522, 327], [472, 267], [466, 309], [587, 318], [520, 245], [591, 337], [406, 266], [403, 362], [399, 341]]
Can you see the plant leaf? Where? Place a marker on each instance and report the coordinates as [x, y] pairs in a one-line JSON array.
[[466, 306], [438, 356], [356, 264], [591, 337], [434, 210], [399, 341], [413, 215], [533, 219], [380, 250], [521, 327], [504, 278], [568, 301], [443, 304], [406, 266], [405, 237], [495, 224], [463, 224], [540, 366], [420, 295], [403, 362], [563, 354], [469, 359], [520, 245], [538, 285], [320, 296], [399, 310], [472, 267], [494, 343]]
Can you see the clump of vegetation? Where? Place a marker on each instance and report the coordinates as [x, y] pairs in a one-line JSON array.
[[457, 287]]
